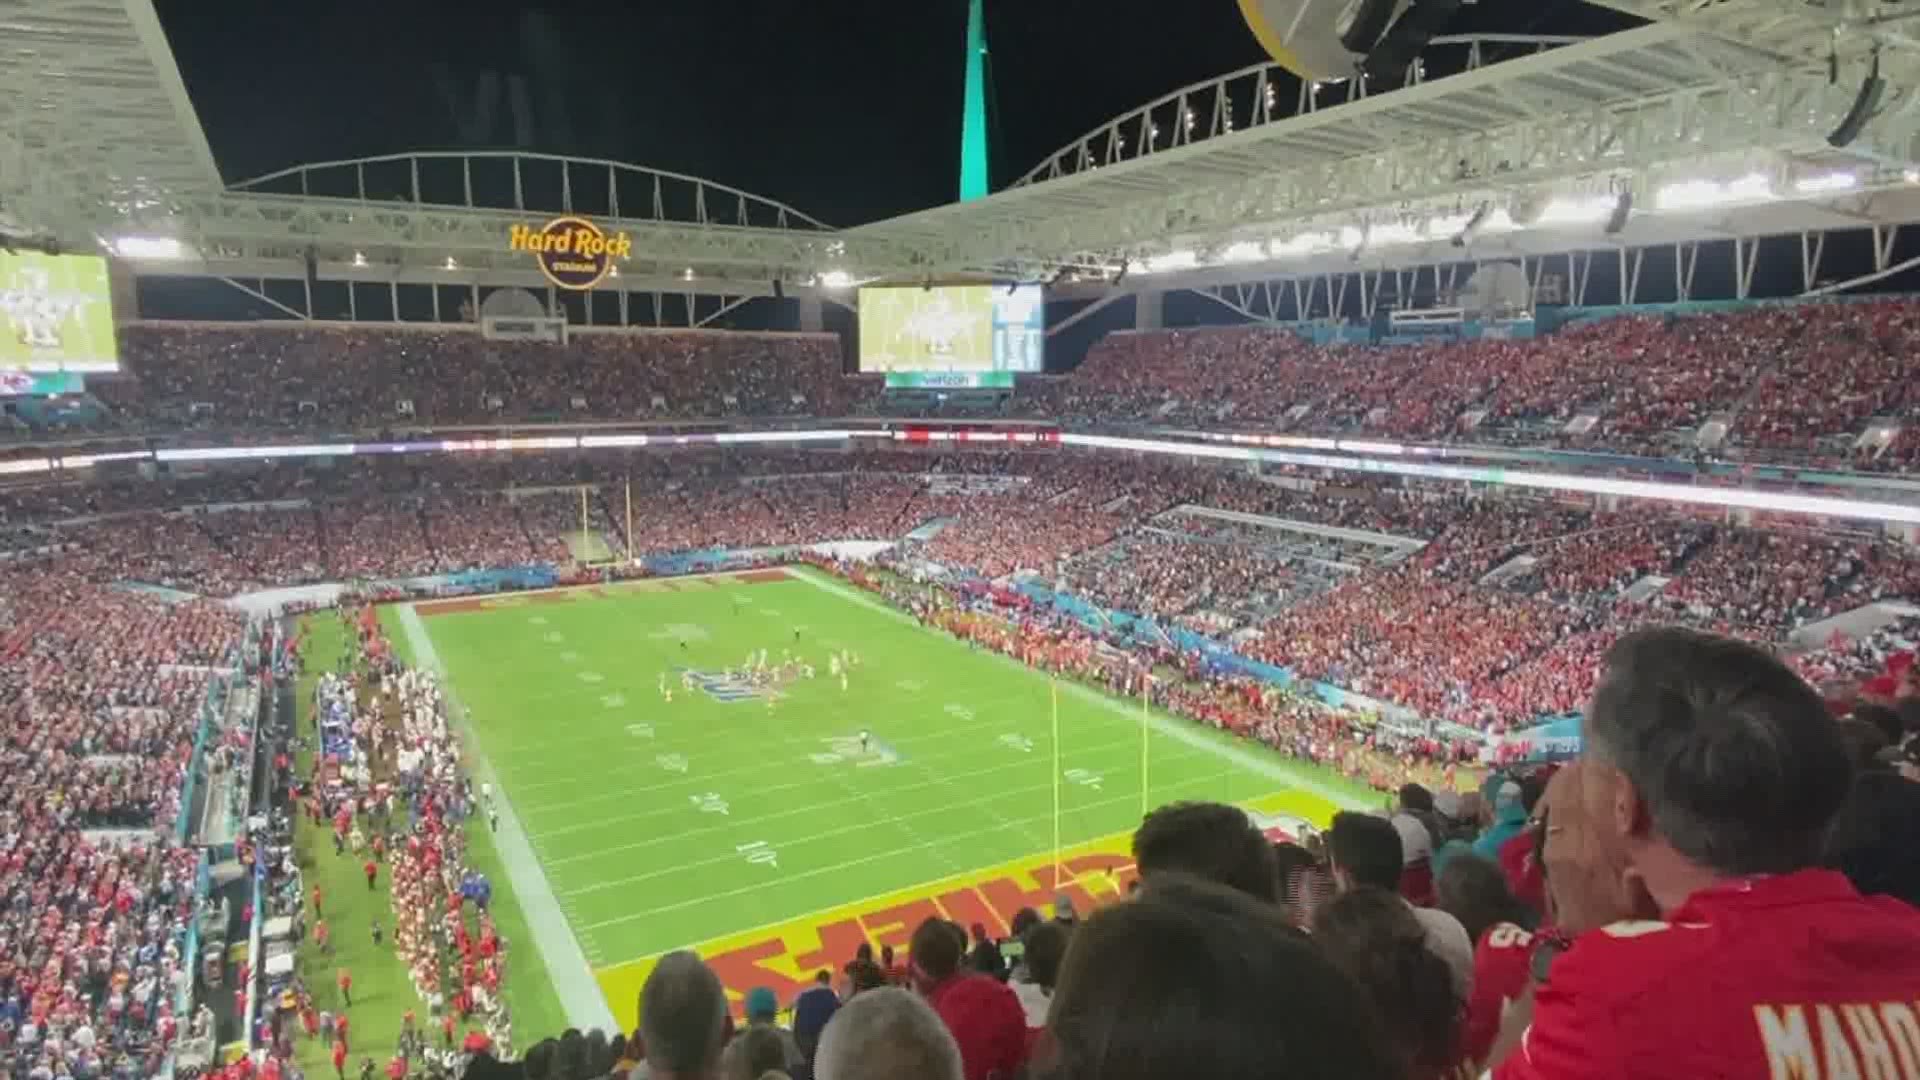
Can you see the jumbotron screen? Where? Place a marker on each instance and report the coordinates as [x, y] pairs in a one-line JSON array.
[[58, 314], [952, 335]]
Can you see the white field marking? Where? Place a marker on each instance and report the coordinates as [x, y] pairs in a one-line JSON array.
[[553, 637], [537, 620], [1300, 777], [877, 856], [591, 677], [551, 926], [525, 759], [568, 656], [733, 825], [706, 778]]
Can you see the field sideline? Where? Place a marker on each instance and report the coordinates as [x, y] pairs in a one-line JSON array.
[[750, 822]]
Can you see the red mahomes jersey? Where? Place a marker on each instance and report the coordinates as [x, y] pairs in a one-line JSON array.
[[1502, 971], [1795, 975]]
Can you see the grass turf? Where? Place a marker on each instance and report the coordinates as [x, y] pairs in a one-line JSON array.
[[382, 992], [662, 825]]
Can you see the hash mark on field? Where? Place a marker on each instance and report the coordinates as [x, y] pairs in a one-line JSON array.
[[568, 656], [554, 637], [613, 701], [537, 620], [591, 677]]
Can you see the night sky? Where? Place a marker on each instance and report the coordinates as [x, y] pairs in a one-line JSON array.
[[846, 109]]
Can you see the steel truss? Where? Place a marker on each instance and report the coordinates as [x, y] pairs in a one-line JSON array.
[[1562, 278]]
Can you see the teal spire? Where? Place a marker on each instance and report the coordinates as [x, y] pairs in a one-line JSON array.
[[973, 114]]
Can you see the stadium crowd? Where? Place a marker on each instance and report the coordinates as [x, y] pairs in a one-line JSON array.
[[1525, 930], [1793, 382]]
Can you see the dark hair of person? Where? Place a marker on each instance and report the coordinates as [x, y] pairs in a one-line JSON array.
[[1211, 840], [1875, 839], [1046, 948], [936, 950], [1909, 710], [1373, 936], [1863, 742], [1287, 858], [1884, 720], [1023, 920], [1193, 979], [1367, 847], [1474, 890], [762, 1050], [1736, 759]]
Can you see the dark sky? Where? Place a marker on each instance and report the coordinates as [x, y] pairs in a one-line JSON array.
[[846, 109]]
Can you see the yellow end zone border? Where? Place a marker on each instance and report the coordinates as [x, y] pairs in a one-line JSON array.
[[783, 956]]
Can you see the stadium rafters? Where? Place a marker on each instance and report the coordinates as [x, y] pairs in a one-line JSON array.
[[1216, 185]]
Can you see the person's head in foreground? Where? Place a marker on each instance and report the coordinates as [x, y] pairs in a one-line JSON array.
[[759, 1051], [1364, 849], [1191, 979], [1475, 891], [1710, 777], [683, 1019], [1373, 936], [887, 1034], [1210, 840], [1719, 761]]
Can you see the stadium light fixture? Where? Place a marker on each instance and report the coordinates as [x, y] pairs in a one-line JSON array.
[[1911, 176], [1304, 244], [359, 259], [1588, 210], [1182, 259], [1705, 194], [1242, 252], [451, 264], [1826, 183], [836, 279], [149, 247]]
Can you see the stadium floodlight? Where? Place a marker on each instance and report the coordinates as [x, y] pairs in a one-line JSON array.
[[1826, 183], [452, 264], [1911, 176], [1242, 252], [836, 279], [359, 259], [1304, 244], [149, 247], [1182, 259], [1587, 210], [1705, 194]]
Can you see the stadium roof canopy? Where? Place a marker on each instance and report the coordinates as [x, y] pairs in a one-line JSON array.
[[1717, 117]]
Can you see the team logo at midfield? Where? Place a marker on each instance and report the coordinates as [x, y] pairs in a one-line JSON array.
[[728, 688], [573, 252]]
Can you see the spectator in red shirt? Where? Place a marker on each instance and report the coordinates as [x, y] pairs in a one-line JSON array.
[[1474, 891], [373, 871], [340, 1059], [346, 988], [1718, 770], [1190, 979], [982, 1012]]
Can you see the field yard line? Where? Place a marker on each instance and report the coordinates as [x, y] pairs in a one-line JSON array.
[[625, 818], [706, 739], [740, 823], [1173, 727], [567, 966], [747, 769], [863, 860]]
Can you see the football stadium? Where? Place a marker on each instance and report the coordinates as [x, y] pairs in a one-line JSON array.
[[1371, 540]]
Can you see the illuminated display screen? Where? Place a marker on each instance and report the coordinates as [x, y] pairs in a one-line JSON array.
[[58, 314], [965, 330]]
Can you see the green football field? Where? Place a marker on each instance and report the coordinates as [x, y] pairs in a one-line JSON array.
[[665, 824]]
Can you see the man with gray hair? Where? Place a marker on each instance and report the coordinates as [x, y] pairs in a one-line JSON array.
[[887, 1033], [683, 1017]]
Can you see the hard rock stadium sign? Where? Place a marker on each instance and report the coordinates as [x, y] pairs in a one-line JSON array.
[[572, 252]]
